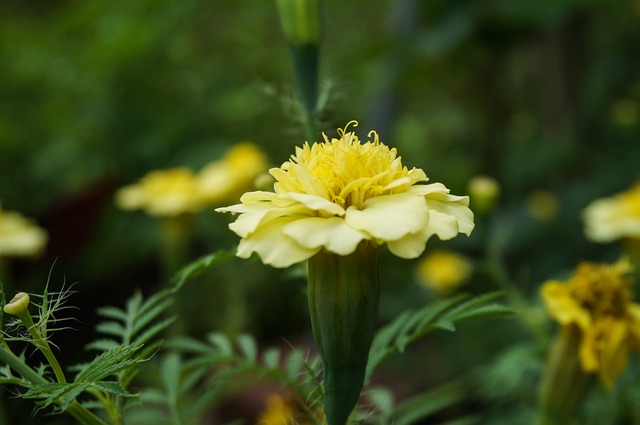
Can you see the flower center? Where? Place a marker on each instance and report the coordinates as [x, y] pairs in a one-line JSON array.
[[603, 291], [346, 171]]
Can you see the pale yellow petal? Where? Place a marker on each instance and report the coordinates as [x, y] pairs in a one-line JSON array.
[[447, 218], [317, 203], [390, 217], [410, 246], [426, 189], [273, 246], [250, 220], [333, 233]]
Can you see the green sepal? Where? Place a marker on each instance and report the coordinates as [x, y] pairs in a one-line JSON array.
[[344, 293]]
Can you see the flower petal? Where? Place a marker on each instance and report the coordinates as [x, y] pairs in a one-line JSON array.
[[390, 217], [273, 247], [410, 246], [332, 233], [249, 221], [562, 306], [449, 215], [317, 203]]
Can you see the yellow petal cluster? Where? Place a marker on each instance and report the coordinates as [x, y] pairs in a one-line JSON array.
[[597, 299], [177, 191], [615, 217], [335, 194], [20, 236], [443, 271]]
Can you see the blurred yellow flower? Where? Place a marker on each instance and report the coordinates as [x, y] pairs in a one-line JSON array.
[[166, 193], [276, 413], [625, 113], [608, 219], [177, 191], [443, 271], [597, 300], [20, 236], [229, 177], [335, 194], [542, 205], [484, 191], [288, 411]]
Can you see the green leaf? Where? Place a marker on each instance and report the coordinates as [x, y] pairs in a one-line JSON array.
[[271, 357], [112, 387], [222, 342], [147, 315], [442, 314], [111, 328], [153, 331], [200, 266], [170, 372], [109, 363], [248, 347], [188, 345], [102, 344], [111, 312], [425, 404]]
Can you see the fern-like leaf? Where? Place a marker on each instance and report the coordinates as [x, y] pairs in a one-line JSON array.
[[200, 266], [442, 314], [92, 377]]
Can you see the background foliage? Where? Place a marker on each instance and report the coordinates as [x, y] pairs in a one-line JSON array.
[[543, 96]]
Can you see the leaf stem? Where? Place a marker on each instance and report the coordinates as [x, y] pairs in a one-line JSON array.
[[42, 344], [75, 409]]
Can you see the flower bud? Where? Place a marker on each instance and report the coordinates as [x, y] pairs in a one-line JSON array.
[[18, 304], [300, 21]]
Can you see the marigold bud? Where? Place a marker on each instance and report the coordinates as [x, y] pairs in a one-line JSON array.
[[18, 304], [300, 21]]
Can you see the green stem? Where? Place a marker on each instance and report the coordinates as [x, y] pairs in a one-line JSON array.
[[564, 385], [305, 65], [42, 344], [497, 272], [84, 415], [75, 409], [15, 363]]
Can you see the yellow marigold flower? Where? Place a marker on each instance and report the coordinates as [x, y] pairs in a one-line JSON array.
[[597, 300], [443, 271], [335, 194], [608, 219], [232, 175], [162, 193], [20, 236]]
